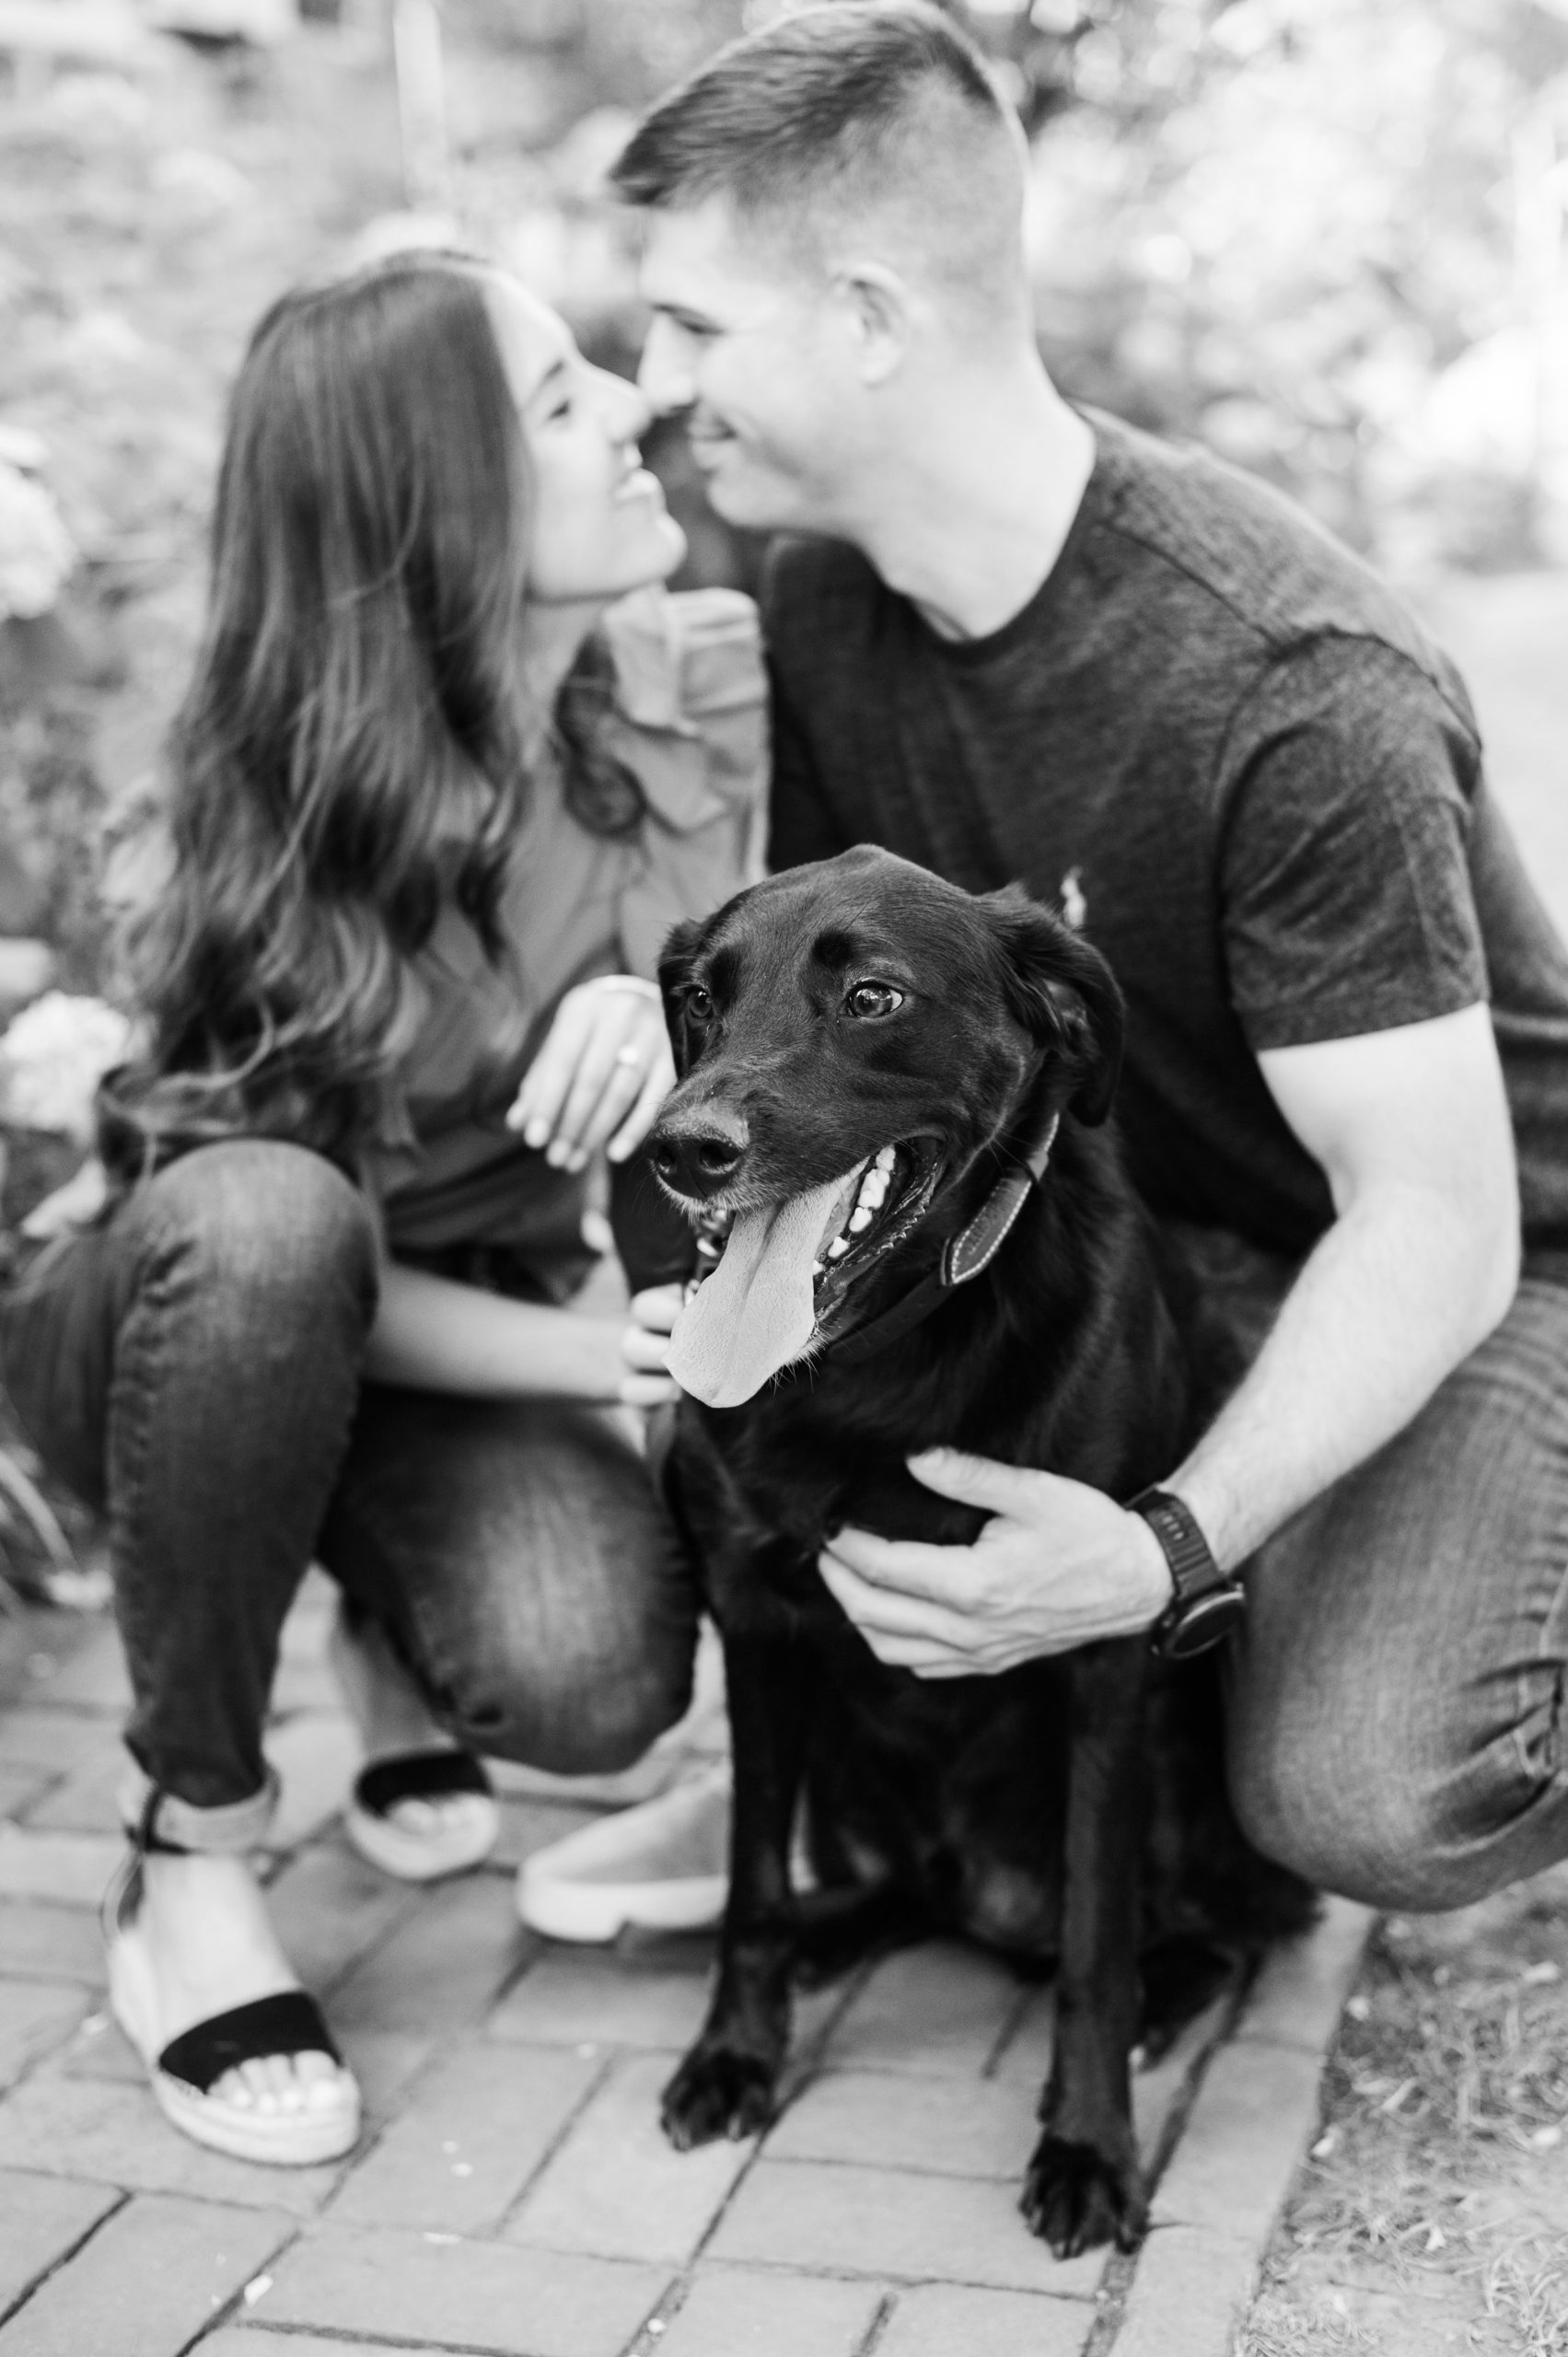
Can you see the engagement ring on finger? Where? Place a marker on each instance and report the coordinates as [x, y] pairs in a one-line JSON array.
[[627, 1054]]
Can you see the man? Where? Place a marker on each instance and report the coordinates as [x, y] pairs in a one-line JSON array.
[[1024, 642]]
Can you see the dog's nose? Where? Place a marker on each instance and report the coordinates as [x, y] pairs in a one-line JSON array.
[[696, 1155]]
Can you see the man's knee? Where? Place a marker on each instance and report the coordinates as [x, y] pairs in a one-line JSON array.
[[1373, 1819]]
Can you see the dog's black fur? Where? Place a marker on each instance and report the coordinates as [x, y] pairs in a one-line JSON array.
[[1072, 1811]]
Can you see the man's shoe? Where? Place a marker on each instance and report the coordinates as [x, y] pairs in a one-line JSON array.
[[662, 1866]]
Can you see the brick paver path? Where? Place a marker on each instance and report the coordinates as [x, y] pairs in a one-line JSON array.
[[513, 2193]]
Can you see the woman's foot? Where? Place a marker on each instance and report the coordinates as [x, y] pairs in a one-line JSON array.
[[190, 1946], [427, 1829]]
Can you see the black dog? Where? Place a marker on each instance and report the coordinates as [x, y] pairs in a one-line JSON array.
[[860, 1038]]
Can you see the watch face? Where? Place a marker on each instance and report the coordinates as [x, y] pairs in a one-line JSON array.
[[1204, 1622]]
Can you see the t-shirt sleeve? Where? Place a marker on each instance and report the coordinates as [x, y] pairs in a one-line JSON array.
[[1345, 900]]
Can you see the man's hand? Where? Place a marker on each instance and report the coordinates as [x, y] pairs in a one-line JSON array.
[[1059, 1565], [601, 1076], [644, 1346]]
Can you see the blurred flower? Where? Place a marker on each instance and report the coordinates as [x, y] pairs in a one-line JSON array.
[[36, 550], [52, 1059]]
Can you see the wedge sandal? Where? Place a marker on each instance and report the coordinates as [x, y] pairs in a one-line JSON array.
[[183, 2071], [454, 1841]]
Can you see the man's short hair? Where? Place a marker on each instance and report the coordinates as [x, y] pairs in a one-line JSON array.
[[840, 112]]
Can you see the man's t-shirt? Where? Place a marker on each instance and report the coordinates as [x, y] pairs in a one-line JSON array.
[[1218, 743]]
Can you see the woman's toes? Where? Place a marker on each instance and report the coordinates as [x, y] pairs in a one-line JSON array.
[[284, 2080], [323, 2093], [454, 1813], [272, 2084], [262, 2083], [316, 2069], [234, 2088], [418, 1817]]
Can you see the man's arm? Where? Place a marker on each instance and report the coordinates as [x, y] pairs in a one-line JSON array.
[[1411, 1129]]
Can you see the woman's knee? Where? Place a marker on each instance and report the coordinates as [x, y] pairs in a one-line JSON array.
[[265, 1224], [576, 1714]]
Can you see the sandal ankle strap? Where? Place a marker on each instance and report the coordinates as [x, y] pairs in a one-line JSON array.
[[145, 1836]]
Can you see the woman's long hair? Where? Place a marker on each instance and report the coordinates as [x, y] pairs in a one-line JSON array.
[[350, 754]]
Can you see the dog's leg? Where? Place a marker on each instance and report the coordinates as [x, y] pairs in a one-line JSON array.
[[727, 2085], [1084, 2186]]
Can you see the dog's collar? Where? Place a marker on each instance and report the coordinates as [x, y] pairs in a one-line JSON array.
[[964, 1257]]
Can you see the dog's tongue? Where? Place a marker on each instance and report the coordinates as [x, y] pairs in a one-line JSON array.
[[756, 1312]]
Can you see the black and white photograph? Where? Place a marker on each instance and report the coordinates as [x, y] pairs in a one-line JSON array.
[[784, 1177]]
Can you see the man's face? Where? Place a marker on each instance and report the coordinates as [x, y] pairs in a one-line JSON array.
[[755, 350]]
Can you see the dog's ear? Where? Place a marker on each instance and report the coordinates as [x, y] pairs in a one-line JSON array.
[[674, 968], [1064, 993]]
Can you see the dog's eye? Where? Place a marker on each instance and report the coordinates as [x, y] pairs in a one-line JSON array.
[[868, 1000], [699, 1003]]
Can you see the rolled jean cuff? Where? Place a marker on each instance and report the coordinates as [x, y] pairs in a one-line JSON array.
[[236, 1826]]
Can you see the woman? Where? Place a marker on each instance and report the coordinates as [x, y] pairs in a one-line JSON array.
[[433, 810]]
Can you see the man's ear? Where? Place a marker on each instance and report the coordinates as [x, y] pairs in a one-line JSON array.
[[1064, 994], [674, 968], [879, 305]]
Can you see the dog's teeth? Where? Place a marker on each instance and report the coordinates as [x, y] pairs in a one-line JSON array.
[[859, 1220], [885, 1159], [837, 1249], [874, 1189], [819, 1268]]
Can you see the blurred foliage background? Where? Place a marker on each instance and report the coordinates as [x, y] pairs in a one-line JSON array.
[[1323, 235]]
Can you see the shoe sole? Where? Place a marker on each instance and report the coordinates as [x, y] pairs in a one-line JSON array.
[[279, 2140], [591, 1915]]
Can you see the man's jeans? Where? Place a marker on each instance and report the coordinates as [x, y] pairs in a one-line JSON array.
[[194, 1369], [1395, 1723]]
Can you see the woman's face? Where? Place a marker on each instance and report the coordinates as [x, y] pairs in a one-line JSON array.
[[598, 526]]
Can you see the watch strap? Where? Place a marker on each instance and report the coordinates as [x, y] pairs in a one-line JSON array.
[[1208, 1603], [1192, 1567]]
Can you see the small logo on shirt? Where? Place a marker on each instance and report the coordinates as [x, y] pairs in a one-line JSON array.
[[1074, 907]]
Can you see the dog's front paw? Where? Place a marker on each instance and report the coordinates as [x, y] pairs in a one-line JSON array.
[[718, 2092], [1076, 2197]]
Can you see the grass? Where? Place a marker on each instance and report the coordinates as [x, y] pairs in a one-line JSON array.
[[1442, 2166]]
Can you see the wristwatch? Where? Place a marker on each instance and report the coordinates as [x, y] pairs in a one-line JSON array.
[[1208, 1603]]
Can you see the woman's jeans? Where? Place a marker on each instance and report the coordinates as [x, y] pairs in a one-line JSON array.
[[194, 1369]]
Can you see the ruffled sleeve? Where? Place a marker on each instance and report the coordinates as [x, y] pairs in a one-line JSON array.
[[691, 721]]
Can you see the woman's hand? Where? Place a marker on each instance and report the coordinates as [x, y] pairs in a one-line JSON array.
[[601, 1076], [1058, 1565], [644, 1346]]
